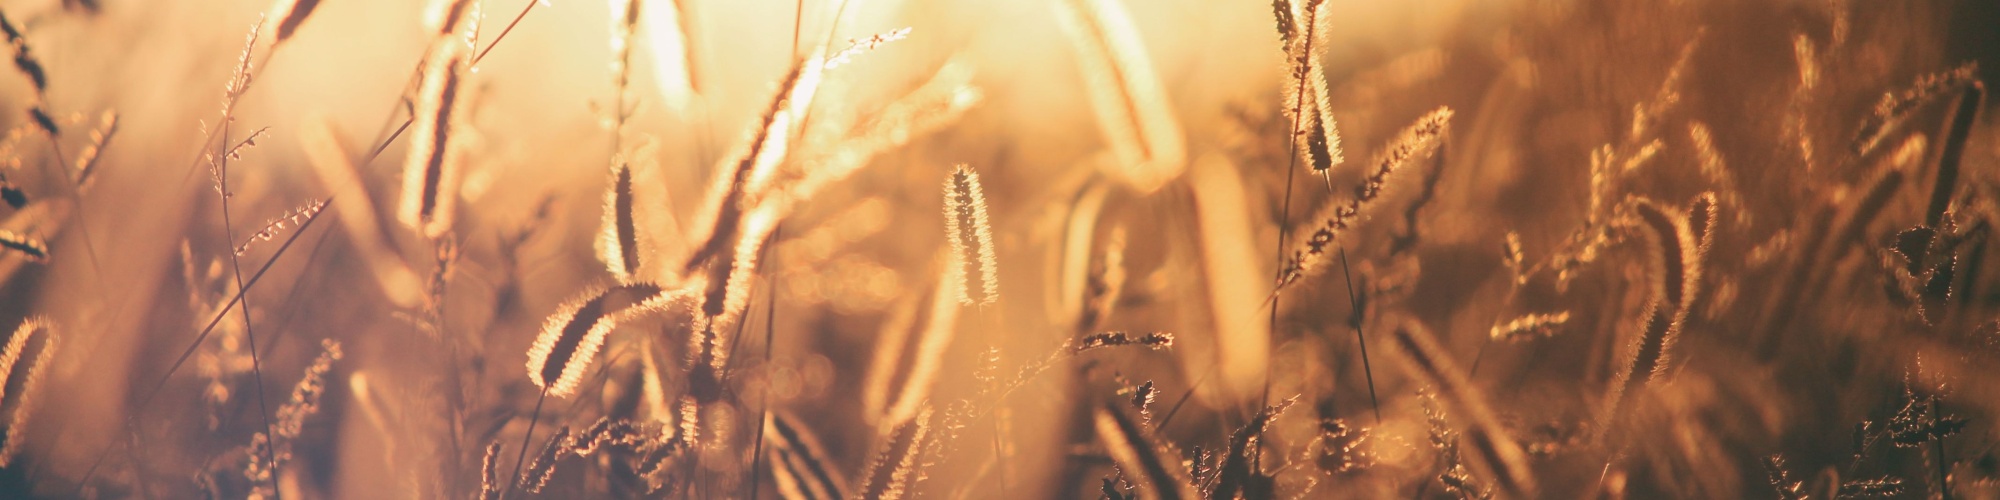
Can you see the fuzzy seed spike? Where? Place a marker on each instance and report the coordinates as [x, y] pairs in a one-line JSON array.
[[974, 268]]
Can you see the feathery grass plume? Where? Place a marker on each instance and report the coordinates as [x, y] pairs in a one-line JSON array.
[[291, 419], [726, 291], [856, 46], [16, 365], [1675, 279], [898, 464], [619, 242], [1308, 257], [1452, 472], [271, 229], [431, 175], [1495, 453], [1894, 108], [87, 159], [1962, 118], [24, 60], [1314, 132], [1701, 218], [571, 337], [1154, 340], [290, 14], [490, 483], [27, 246], [1530, 327], [537, 476], [1132, 107], [742, 178], [670, 37], [975, 271], [1240, 473], [1282, 9], [1139, 454], [801, 467], [453, 17]]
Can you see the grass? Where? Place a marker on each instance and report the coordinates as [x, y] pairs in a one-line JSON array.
[[1704, 249]]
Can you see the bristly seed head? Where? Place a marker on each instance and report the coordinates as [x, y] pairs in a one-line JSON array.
[[973, 266], [1307, 256], [12, 367], [430, 176]]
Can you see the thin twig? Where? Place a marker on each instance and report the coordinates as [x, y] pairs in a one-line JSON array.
[[236, 268]]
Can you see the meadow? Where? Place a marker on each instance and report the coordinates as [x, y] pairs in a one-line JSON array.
[[1119, 249]]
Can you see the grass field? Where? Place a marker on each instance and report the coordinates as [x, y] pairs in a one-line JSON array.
[[986, 249]]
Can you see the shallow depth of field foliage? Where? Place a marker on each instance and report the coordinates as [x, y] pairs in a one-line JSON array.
[[999, 249]]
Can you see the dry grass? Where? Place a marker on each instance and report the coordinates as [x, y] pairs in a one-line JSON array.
[[697, 249]]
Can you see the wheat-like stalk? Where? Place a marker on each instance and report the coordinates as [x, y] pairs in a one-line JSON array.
[[1894, 108], [1131, 104], [490, 483], [290, 14], [974, 270], [1677, 257], [24, 58], [1315, 133], [571, 337], [898, 460], [15, 366], [1308, 257], [741, 180], [801, 467], [1531, 326], [100, 138], [431, 175], [1153, 340], [619, 242]]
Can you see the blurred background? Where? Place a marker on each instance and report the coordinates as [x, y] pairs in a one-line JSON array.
[[433, 332]]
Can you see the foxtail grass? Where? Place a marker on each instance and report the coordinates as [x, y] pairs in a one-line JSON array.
[[975, 272], [431, 174], [1130, 102], [800, 466], [1675, 278], [28, 365], [1308, 257]]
